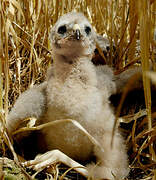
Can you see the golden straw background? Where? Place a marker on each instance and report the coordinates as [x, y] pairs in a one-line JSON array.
[[25, 48]]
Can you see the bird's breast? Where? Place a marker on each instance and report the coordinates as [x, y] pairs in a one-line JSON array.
[[74, 101], [71, 101]]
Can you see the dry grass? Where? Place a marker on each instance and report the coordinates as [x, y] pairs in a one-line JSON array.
[[25, 51]]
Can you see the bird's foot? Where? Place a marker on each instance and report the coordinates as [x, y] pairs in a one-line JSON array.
[[53, 157]]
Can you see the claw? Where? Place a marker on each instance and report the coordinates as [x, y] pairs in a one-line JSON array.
[[53, 157]]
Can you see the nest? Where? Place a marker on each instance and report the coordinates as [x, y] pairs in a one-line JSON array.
[[129, 28]]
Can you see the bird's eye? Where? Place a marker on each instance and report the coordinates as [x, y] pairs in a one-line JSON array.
[[62, 29], [87, 30]]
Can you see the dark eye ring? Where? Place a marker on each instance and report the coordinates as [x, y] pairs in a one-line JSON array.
[[62, 29], [87, 30]]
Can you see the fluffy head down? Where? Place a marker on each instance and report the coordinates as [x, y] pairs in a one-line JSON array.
[[73, 35]]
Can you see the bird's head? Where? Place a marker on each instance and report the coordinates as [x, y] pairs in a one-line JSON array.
[[73, 35]]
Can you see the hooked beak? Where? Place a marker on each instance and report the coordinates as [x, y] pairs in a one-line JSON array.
[[77, 32]]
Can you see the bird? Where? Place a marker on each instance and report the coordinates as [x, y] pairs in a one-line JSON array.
[[78, 92]]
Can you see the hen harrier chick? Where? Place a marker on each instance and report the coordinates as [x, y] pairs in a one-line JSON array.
[[72, 91]]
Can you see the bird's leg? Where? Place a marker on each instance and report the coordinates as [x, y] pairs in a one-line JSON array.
[[56, 156], [53, 157]]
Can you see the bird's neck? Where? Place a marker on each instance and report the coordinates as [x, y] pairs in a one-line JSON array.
[[62, 66], [76, 66]]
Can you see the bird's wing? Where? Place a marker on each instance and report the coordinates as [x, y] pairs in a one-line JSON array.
[[31, 103], [105, 80], [133, 74]]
